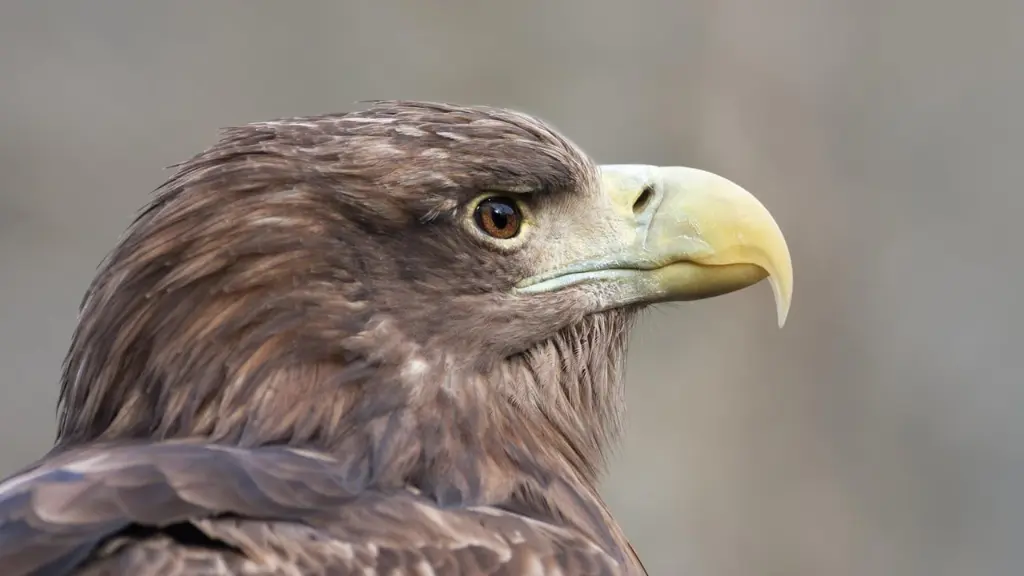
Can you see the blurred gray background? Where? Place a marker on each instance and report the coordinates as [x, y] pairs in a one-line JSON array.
[[881, 432]]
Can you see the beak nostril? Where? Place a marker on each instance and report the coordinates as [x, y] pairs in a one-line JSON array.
[[645, 197]]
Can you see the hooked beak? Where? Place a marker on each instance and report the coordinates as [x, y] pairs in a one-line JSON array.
[[678, 234]]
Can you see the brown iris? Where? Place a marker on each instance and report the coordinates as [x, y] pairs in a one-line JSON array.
[[498, 217]]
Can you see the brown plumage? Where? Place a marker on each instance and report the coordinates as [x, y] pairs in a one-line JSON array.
[[302, 359]]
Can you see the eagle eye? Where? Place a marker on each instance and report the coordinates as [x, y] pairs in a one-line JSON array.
[[498, 217]]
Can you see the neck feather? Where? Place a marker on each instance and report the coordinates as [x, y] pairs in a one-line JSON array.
[[558, 403]]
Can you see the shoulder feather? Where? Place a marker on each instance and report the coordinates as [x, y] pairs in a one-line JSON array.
[[178, 507]]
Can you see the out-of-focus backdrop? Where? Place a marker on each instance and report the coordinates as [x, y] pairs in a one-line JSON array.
[[881, 432]]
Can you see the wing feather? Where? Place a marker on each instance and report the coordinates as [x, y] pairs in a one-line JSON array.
[[178, 507]]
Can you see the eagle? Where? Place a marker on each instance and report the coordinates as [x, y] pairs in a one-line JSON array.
[[386, 341]]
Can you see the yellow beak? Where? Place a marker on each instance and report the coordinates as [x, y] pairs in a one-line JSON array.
[[676, 234]]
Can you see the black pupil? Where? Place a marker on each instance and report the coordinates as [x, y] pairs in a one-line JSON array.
[[501, 214]]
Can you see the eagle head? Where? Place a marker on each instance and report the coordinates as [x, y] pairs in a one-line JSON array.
[[433, 291]]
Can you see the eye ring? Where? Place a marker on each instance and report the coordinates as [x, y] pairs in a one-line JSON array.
[[499, 217]]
